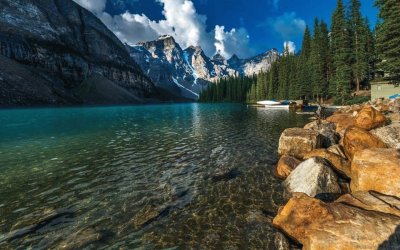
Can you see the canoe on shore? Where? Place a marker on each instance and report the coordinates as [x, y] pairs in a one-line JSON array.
[[269, 102]]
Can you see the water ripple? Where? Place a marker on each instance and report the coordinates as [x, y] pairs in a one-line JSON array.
[[171, 176]]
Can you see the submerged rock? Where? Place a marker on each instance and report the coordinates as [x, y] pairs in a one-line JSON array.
[[340, 164], [225, 168], [286, 165], [389, 135], [320, 225], [376, 169], [313, 177], [297, 141], [147, 214], [224, 173], [356, 139], [84, 238], [369, 118]]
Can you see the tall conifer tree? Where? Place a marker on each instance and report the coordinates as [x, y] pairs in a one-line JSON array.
[[388, 36]]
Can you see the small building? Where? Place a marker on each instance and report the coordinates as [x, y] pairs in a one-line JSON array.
[[383, 90]]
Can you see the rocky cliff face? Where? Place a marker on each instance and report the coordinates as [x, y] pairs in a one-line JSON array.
[[167, 65], [64, 48], [187, 72]]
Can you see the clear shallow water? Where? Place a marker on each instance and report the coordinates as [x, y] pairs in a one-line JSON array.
[[149, 177]]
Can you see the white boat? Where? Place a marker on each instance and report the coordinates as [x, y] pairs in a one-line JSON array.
[[268, 102], [277, 106]]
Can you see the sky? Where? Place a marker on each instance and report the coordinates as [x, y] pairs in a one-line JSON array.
[[242, 27]]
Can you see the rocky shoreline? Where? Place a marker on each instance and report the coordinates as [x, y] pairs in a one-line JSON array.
[[342, 179]]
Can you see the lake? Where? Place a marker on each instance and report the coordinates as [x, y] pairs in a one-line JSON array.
[[173, 176]]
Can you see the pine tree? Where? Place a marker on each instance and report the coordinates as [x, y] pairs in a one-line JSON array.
[[325, 57], [359, 40], [317, 63], [341, 51], [388, 36], [303, 75], [371, 52]]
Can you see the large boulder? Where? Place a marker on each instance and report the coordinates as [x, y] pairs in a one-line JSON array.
[[376, 169], [313, 177], [286, 165], [389, 135], [356, 139], [297, 141], [369, 118], [342, 121], [339, 163], [327, 130], [372, 201], [319, 225]]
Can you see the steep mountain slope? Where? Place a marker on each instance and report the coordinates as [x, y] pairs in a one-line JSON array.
[[61, 47], [188, 71], [167, 65]]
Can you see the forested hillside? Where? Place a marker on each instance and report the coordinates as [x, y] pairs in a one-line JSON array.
[[333, 61]]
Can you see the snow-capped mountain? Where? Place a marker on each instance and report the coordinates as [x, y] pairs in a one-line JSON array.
[[187, 72]]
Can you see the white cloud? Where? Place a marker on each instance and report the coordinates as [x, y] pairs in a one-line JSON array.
[[232, 42], [287, 25], [96, 6], [181, 21], [290, 45]]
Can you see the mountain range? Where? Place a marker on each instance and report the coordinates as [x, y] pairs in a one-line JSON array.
[[187, 72], [54, 52]]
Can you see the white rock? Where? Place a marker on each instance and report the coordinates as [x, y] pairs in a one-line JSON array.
[[313, 177], [389, 135]]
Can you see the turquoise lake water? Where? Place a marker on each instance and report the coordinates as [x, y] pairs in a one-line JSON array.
[[147, 177]]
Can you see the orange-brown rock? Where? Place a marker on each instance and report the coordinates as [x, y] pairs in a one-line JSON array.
[[369, 118], [372, 201], [376, 169], [356, 139], [334, 226], [342, 121], [339, 164], [298, 141], [286, 165]]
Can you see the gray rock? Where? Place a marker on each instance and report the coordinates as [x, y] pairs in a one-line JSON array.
[[280, 241], [327, 131], [313, 177], [389, 135]]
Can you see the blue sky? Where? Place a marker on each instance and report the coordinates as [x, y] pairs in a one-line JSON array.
[[243, 27]]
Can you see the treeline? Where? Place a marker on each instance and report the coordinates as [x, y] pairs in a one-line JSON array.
[[231, 89], [332, 62]]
